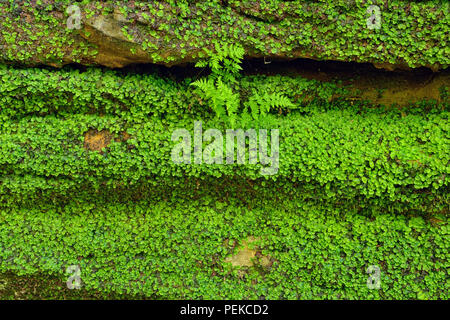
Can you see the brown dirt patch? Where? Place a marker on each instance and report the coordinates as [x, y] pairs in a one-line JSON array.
[[95, 140], [248, 255]]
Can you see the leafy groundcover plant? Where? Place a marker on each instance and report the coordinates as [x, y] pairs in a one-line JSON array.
[[87, 182]]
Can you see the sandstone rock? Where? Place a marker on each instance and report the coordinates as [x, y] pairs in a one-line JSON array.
[[97, 140], [120, 33], [248, 255]]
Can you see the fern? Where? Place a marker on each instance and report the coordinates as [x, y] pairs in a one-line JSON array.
[[217, 89], [261, 104], [224, 62], [229, 98], [225, 67]]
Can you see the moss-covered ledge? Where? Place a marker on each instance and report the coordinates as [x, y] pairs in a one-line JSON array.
[[119, 33]]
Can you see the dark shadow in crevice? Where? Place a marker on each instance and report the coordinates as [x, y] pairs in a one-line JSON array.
[[308, 68]]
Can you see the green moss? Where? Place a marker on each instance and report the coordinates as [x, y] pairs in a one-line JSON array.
[[332, 147], [175, 246], [33, 91], [44, 287], [412, 33], [358, 185]]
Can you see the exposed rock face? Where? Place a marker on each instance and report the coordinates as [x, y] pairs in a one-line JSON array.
[[97, 140], [119, 33], [248, 255]]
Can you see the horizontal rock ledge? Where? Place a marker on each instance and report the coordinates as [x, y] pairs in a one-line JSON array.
[[118, 33]]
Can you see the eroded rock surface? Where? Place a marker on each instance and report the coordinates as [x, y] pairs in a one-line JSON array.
[[120, 33], [248, 255]]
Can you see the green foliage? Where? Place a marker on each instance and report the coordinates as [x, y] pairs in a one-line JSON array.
[[221, 97], [412, 33], [174, 246], [358, 185], [225, 62], [340, 150], [261, 104], [44, 287], [342, 154], [225, 67], [41, 92]]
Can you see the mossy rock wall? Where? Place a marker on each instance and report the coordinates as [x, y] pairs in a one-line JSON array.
[[118, 33], [88, 181]]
